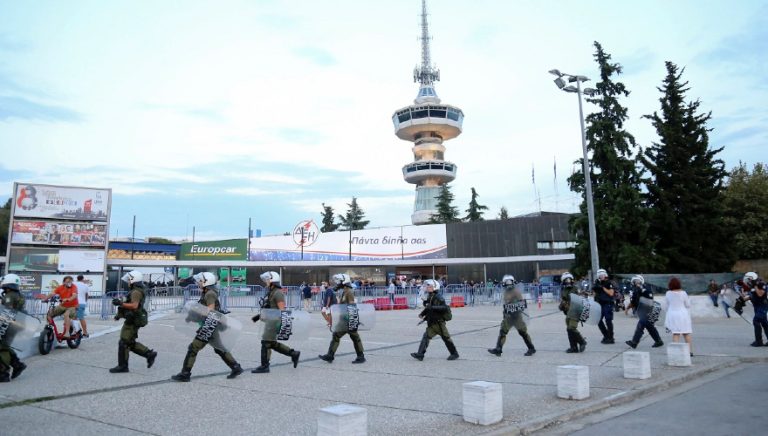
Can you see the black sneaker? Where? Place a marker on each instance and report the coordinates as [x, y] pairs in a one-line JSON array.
[[631, 344], [658, 344], [756, 344]]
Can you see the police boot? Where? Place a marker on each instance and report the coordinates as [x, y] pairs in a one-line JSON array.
[[452, 349], [328, 357], [5, 376], [531, 348], [264, 368], [295, 357], [122, 358], [496, 351], [572, 341], [631, 343], [17, 365], [422, 349], [183, 376], [236, 370], [151, 355], [758, 336], [359, 351]]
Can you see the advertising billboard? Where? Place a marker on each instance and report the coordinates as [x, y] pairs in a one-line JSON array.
[[60, 202], [405, 242], [49, 282], [59, 233], [231, 249], [81, 260], [33, 259]]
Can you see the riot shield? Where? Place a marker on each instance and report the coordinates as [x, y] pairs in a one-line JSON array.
[[516, 312], [213, 327], [653, 310], [584, 310], [352, 317], [17, 328], [284, 325]]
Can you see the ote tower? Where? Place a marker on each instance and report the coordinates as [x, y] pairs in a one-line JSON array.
[[427, 123]]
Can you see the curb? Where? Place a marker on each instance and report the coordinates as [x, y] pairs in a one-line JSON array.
[[555, 419]]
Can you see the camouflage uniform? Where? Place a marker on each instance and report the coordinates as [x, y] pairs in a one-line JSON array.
[[271, 301], [14, 301], [513, 317], [347, 297], [134, 320], [434, 312], [577, 342]]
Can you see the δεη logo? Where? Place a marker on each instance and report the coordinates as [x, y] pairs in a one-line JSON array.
[[305, 233]]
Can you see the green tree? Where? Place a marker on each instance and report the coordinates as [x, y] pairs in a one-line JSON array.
[[620, 219], [353, 219], [503, 214], [446, 211], [159, 240], [685, 185], [475, 211], [5, 217], [744, 201], [329, 220]]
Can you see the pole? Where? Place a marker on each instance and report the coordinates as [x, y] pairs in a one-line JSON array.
[[588, 184], [250, 235], [133, 236], [193, 242], [350, 242], [302, 242]]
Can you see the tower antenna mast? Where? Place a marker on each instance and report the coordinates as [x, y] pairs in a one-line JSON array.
[[426, 75]]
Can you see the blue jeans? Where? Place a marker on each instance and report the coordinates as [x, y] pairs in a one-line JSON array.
[[714, 299], [726, 307]]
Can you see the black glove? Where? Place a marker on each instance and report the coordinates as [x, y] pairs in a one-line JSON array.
[[117, 302], [117, 318], [256, 318]]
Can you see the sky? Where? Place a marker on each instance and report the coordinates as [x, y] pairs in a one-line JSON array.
[[207, 113]]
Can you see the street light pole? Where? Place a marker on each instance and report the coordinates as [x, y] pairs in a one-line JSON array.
[[588, 185]]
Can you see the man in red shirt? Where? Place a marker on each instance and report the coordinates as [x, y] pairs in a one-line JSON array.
[[68, 307]]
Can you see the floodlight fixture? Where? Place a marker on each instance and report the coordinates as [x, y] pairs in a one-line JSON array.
[[560, 82], [556, 72]]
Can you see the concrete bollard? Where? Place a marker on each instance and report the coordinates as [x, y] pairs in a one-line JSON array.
[[678, 354], [573, 382], [342, 419], [637, 364], [482, 402]]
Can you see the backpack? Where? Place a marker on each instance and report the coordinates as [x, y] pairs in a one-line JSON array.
[[447, 315]]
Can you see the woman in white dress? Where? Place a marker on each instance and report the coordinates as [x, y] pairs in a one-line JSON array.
[[678, 320]]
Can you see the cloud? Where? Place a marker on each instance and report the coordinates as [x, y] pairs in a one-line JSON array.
[[316, 55], [11, 44], [259, 192], [22, 108], [300, 136]]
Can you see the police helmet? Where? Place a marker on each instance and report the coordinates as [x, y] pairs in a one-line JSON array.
[[566, 277], [750, 277], [132, 277], [10, 281], [638, 280], [508, 280], [602, 274], [205, 279], [342, 279], [430, 282], [270, 277]]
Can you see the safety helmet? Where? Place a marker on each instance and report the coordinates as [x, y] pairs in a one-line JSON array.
[[508, 279], [430, 282], [602, 274], [342, 279], [638, 280], [205, 279], [750, 276], [10, 281], [270, 277], [566, 276], [132, 277]]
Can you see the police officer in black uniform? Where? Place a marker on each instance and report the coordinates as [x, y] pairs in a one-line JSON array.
[[604, 292], [642, 302], [209, 298], [759, 299], [273, 300]]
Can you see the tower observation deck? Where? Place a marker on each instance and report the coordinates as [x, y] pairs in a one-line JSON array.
[[427, 123]]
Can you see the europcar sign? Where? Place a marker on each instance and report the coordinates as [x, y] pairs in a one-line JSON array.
[[232, 249]]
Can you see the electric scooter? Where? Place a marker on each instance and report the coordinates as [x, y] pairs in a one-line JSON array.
[[51, 332]]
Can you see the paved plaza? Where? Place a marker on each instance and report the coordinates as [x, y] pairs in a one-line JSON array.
[[71, 392]]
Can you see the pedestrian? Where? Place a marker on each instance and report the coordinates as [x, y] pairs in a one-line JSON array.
[[435, 313], [391, 292], [713, 292], [306, 295], [209, 298], [569, 297], [604, 292], [82, 302], [275, 299], [513, 315], [678, 320], [759, 301], [647, 312], [132, 310], [726, 297], [344, 284], [10, 299]]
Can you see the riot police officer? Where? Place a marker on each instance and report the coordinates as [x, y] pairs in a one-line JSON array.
[[11, 299], [642, 302], [514, 307], [209, 298], [744, 287], [572, 318], [435, 313], [344, 283], [759, 299], [273, 300], [604, 293], [132, 309]]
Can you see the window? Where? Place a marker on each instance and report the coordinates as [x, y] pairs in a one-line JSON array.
[[437, 113], [403, 117], [421, 113], [555, 245]]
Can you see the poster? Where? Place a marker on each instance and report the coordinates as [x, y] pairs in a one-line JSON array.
[[406, 242], [49, 282], [81, 260], [33, 259], [59, 233], [47, 201], [231, 249]]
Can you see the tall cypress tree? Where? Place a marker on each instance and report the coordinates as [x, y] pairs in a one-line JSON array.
[[329, 220], [476, 210], [353, 219], [620, 219], [685, 185], [446, 211]]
